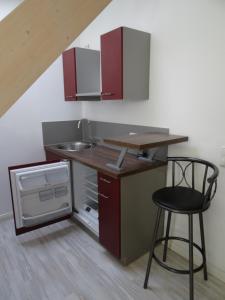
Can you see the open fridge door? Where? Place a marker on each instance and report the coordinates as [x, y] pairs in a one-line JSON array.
[[41, 194]]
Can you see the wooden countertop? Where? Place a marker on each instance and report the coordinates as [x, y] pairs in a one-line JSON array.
[[146, 140], [99, 156]]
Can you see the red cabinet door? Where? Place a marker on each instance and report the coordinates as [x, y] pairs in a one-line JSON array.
[[112, 64], [109, 213], [52, 156], [69, 74]]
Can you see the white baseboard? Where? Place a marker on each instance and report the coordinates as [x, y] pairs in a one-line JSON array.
[[212, 269], [6, 216]]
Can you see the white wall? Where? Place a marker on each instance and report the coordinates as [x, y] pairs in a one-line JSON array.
[[187, 87], [7, 6], [20, 127]]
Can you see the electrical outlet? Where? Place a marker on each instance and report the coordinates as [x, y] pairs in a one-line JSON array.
[[222, 157]]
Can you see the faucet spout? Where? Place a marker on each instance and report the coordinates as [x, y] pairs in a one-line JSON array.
[[86, 134], [78, 124]]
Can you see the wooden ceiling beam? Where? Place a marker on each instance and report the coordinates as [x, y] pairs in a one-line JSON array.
[[33, 36]]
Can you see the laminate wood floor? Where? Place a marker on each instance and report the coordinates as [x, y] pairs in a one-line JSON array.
[[63, 262]]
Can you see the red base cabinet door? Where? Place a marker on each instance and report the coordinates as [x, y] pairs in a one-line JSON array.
[[52, 156], [109, 213]]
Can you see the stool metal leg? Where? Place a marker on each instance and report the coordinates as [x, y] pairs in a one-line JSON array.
[[152, 247], [167, 235], [203, 244], [191, 278]]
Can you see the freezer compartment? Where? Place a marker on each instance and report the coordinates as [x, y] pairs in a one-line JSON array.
[[86, 196]]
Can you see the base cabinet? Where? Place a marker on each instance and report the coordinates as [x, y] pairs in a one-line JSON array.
[[127, 214]]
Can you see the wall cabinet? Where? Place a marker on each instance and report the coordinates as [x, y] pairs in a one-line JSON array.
[[125, 56], [81, 70], [124, 64]]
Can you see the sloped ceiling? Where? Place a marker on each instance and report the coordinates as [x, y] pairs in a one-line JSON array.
[[33, 36]]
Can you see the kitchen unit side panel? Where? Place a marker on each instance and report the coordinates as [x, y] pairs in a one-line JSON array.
[[112, 64], [136, 58], [138, 213], [69, 74]]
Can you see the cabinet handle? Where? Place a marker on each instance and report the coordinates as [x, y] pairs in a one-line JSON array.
[[103, 196], [69, 96], [106, 94], [105, 180]]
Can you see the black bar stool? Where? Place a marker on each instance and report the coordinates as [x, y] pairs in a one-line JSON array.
[[183, 197]]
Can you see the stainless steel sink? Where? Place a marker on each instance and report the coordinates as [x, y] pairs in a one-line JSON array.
[[73, 146]]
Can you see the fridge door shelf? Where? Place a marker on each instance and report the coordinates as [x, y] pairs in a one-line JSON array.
[[33, 220], [31, 182], [38, 179]]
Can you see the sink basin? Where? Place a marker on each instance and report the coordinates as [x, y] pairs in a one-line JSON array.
[[74, 146]]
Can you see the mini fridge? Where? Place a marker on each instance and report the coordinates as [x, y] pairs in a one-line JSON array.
[[45, 193]]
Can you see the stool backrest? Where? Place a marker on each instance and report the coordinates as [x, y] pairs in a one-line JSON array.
[[186, 167]]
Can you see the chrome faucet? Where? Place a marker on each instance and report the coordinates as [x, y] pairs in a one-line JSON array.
[[85, 129], [85, 121], [78, 124]]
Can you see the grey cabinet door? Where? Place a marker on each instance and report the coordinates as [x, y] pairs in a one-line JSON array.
[[88, 70]]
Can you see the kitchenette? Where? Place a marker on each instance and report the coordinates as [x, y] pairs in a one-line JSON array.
[[100, 174]]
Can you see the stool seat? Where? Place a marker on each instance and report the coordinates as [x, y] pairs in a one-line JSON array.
[[179, 198]]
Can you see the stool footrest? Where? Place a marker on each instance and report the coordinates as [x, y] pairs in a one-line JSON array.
[[165, 266]]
